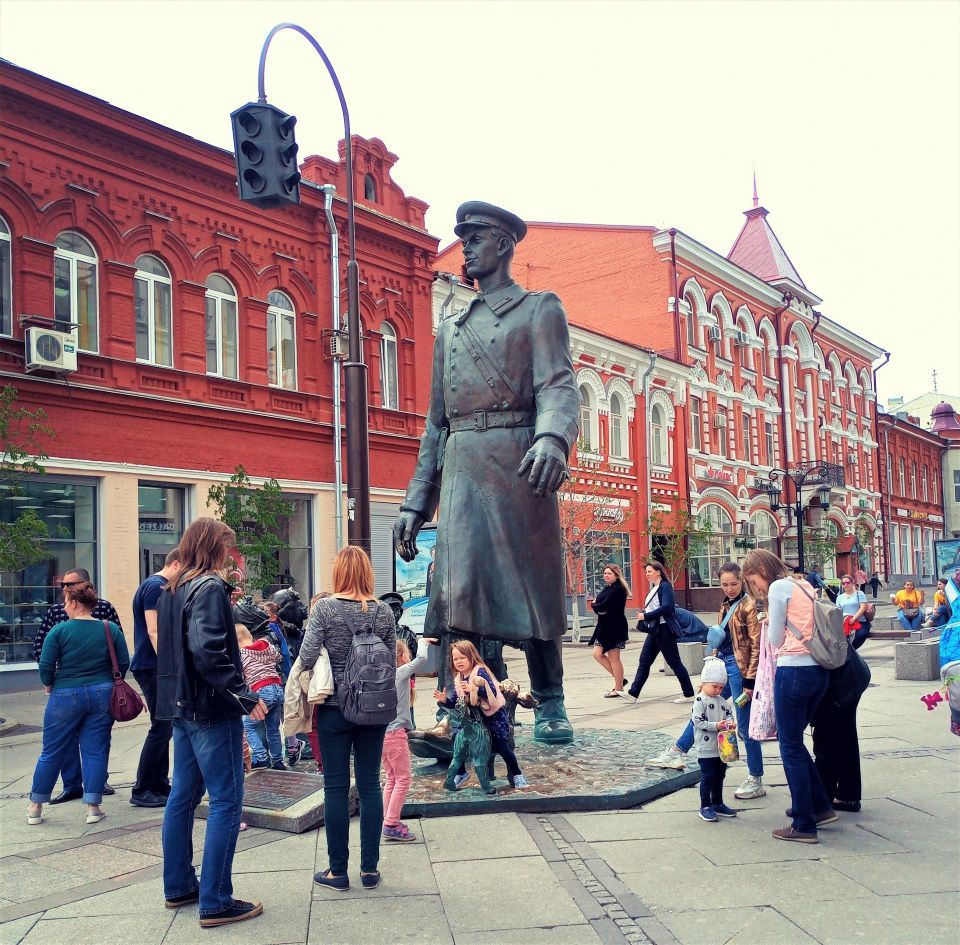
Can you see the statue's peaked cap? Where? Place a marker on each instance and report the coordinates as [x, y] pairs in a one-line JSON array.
[[476, 213]]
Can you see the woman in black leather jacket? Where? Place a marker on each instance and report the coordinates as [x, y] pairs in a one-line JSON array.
[[200, 687]]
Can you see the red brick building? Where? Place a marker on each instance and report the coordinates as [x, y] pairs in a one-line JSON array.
[[911, 462], [202, 326], [772, 383]]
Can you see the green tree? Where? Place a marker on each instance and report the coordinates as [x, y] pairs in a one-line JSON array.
[[819, 547], [23, 534], [257, 514], [676, 537]]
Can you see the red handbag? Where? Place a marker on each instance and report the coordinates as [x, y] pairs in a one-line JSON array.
[[125, 704]]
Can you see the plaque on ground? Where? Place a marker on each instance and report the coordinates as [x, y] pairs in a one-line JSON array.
[[280, 800], [603, 769]]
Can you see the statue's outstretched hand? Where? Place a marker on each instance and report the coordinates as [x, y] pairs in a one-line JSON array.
[[405, 530], [546, 463]]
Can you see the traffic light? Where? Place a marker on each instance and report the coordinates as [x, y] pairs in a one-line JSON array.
[[266, 154]]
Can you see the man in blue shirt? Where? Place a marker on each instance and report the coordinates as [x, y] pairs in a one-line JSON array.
[[152, 785]]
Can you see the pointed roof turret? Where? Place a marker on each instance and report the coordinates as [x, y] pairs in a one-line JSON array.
[[758, 250]]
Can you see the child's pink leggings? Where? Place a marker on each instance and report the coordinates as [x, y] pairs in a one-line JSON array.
[[396, 768]]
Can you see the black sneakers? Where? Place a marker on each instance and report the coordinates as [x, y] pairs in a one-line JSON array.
[[187, 899], [240, 911]]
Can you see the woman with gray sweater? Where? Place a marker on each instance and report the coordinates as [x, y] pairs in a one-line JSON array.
[[352, 591]]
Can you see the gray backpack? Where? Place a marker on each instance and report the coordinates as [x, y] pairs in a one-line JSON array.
[[367, 693], [828, 642]]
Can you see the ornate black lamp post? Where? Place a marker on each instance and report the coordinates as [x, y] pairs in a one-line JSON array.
[[267, 177], [824, 476]]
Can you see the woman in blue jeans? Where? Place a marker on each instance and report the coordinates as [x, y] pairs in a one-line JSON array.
[[77, 674], [740, 652], [799, 685], [327, 627]]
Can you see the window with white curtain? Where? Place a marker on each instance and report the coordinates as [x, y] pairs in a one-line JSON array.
[[281, 342], [75, 288], [6, 280], [696, 421], [221, 327], [618, 432], [588, 411], [153, 311], [389, 384]]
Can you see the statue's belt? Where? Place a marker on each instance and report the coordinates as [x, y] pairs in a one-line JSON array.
[[481, 420]]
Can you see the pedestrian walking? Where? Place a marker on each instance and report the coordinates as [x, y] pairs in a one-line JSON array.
[[875, 584], [659, 620], [611, 633], [331, 625], [152, 784], [77, 675], [711, 715], [200, 687], [71, 774], [861, 579], [799, 685]]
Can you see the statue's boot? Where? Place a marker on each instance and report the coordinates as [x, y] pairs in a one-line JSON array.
[[551, 725], [436, 742]]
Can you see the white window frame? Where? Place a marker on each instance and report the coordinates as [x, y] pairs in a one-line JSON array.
[[913, 479], [925, 484], [389, 367], [696, 423], [902, 470], [277, 313], [619, 445], [723, 433], [658, 437], [219, 299], [589, 423], [746, 435], [73, 258], [6, 280], [770, 441], [152, 280]]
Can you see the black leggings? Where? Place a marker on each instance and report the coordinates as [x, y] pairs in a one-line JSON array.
[[660, 641]]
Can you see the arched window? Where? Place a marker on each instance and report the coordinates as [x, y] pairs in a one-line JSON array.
[[714, 548], [281, 342], [618, 429], [221, 327], [369, 187], [693, 329], [588, 412], [75, 288], [6, 281], [153, 309], [389, 384], [765, 531], [658, 437]]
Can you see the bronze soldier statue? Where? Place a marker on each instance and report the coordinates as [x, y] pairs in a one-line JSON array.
[[504, 413]]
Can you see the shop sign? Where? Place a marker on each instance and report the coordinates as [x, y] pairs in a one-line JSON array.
[[863, 503], [155, 525], [903, 513], [611, 515], [920, 516], [938, 519], [660, 507], [718, 474]]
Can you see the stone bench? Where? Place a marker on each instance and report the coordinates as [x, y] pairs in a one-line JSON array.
[[918, 661], [691, 655]]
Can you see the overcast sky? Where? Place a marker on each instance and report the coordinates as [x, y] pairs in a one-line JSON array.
[[624, 112]]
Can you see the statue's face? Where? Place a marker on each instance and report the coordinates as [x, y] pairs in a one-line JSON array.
[[481, 252]]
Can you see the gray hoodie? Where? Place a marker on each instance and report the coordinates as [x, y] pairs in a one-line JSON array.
[[707, 712]]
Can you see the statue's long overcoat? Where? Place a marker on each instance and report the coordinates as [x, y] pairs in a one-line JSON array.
[[499, 562]]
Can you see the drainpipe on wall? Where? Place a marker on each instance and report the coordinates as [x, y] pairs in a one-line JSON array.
[[454, 281], [686, 452], [328, 191], [645, 387], [876, 436], [778, 327]]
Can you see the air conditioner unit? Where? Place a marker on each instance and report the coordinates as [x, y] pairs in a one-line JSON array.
[[851, 457], [741, 338], [49, 350], [713, 333], [719, 421], [339, 347]]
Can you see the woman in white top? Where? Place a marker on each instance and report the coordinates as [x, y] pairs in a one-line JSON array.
[[853, 603], [799, 685]]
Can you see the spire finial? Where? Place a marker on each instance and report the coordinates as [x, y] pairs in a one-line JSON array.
[[756, 199]]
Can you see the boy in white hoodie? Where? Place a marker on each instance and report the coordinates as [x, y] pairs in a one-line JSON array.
[[712, 714]]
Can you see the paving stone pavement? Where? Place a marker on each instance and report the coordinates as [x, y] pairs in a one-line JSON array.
[[889, 875]]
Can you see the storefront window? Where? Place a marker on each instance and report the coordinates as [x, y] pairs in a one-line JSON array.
[[601, 549], [69, 510], [161, 524], [765, 531], [718, 549], [296, 566]]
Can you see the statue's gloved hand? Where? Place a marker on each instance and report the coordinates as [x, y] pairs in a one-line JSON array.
[[405, 530], [546, 463]]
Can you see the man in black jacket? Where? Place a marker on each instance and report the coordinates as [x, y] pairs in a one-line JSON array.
[[200, 687]]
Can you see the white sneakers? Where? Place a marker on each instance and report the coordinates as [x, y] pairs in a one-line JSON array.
[[683, 699], [670, 757], [751, 787]]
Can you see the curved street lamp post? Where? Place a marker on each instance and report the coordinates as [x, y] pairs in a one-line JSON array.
[[824, 476]]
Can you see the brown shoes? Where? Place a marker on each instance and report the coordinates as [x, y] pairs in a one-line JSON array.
[[788, 833]]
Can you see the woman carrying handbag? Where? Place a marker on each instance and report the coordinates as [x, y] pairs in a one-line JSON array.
[[77, 675]]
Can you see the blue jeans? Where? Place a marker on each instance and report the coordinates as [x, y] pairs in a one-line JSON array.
[[797, 692], [269, 751], [78, 713], [753, 749], [206, 756], [910, 623], [71, 770]]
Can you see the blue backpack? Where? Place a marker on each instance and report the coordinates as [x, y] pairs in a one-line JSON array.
[[691, 629]]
